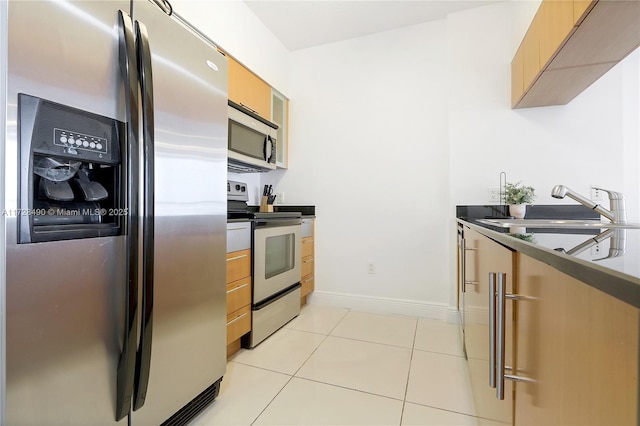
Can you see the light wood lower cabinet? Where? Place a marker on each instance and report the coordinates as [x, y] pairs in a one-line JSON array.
[[576, 348], [238, 323], [483, 256], [580, 348], [238, 298], [308, 261], [238, 265], [238, 294]]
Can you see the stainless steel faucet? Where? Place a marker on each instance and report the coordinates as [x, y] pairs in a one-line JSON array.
[[617, 214]]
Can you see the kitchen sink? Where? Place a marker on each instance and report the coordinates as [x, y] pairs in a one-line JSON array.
[[558, 223]]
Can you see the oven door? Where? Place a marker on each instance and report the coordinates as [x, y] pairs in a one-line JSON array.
[[277, 256]]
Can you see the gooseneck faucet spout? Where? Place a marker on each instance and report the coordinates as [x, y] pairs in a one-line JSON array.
[[617, 213]]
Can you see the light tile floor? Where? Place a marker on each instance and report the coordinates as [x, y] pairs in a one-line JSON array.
[[334, 366]]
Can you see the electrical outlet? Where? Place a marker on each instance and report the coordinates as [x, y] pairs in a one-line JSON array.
[[494, 194], [596, 194], [371, 268], [280, 197]]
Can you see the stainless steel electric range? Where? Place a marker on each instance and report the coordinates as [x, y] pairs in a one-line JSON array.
[[276, 257]]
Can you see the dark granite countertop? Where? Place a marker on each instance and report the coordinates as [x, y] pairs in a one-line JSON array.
[[617, 276], [307, 211]]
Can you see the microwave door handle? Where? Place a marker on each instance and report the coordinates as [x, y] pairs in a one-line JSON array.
[[268, 155], [267, 148]]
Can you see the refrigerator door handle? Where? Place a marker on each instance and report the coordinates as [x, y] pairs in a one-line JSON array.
[[143, 361], [126, 363]]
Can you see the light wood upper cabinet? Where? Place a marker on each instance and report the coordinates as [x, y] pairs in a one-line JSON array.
[[580, 9], [555, 26], [580, 348], [248, 90], [531, 54], [517, 76], [573, 43], [280, 116]]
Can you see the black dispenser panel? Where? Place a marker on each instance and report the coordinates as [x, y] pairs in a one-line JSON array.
[[71, 173]]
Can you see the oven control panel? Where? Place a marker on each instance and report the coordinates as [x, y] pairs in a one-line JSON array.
[[237, 191]]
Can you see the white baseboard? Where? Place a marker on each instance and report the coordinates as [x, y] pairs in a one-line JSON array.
[[384, 305]]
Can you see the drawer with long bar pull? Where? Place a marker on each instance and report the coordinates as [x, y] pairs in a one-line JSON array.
[[238, 265]]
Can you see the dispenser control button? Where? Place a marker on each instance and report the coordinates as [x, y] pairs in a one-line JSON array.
[[69, 138]]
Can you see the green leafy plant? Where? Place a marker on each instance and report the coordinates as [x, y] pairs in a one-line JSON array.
[[525, 237], [515, 193]]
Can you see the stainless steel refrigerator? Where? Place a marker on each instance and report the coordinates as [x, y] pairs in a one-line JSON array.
[[115, 214]]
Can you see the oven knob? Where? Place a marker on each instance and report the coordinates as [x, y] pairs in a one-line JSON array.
[[237, 187], [243, 189]]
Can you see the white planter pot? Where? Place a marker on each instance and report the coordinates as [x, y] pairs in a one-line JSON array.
[[518, 210]]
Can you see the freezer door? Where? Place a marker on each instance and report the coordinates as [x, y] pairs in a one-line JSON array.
[[188, 350], [64, 299]]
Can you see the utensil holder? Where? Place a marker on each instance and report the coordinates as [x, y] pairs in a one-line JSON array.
[[264, 206]]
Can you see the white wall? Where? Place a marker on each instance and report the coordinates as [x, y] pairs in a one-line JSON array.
[[235, 28], [390, 131], [369, 149]]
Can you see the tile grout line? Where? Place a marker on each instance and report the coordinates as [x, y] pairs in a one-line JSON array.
[[296, 372], [406, 388], [373, 343], [323, 340], [272, 399], [348, 388]]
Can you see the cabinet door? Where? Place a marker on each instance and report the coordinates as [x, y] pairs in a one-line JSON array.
[[483, 256], [308, 263], [580, 9], [556, 25], [579, 345], [246, 89], [238, 265], [531, 53], [517, 77], [280, 116]]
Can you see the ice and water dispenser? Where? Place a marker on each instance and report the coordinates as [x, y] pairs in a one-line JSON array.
[[71, 173]]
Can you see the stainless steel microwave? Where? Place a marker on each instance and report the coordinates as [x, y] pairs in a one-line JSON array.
[[252, 142]]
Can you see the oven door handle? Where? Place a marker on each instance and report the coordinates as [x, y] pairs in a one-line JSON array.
[[272, 222]]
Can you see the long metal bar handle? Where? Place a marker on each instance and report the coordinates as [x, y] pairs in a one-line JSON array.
[[126, 363], [492, 329], [500, 333], [501, 298], [463, 261], [143, 359]]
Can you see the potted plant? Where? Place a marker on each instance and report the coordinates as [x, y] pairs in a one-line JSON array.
[[517, 196]]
